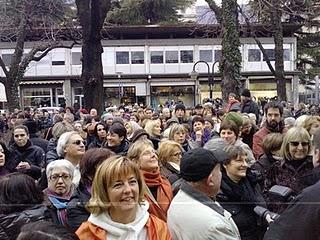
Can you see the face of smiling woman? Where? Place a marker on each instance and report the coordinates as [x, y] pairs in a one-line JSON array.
[[123, 194], [237, 168]]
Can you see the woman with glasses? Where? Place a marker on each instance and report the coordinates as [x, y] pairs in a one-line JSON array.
[[170, 154], [158, 190], [76, 210], [100, 135], [71, 147], [60, 189], [117, 208], [295, 170]]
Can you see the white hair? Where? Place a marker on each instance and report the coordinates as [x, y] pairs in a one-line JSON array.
[[60, 163], [62, 142]]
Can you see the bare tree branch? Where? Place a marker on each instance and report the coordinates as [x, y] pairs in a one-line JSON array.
[[265, 55]]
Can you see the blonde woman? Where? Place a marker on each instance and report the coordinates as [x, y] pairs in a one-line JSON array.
[[153, 128], [117, 209], [170, 154], [158, 189]]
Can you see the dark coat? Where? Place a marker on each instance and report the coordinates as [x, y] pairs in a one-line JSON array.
[[76, 211], [300, 220], [34, 155], [286, 174], [40, 142], [240, 199], [96, 143], [11, 224], [248, 138], [263, 165], [121, 149], [250, 107], [169, 172]]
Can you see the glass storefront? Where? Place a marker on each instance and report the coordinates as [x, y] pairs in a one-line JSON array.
[[37, 97], [120, 95], [163, 95]]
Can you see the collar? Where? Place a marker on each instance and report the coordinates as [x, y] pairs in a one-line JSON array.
[[201, 197]]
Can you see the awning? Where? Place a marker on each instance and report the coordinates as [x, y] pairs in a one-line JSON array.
[[42, 82]]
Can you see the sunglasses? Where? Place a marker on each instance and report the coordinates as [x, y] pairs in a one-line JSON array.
[[296, 144], [78, 142]]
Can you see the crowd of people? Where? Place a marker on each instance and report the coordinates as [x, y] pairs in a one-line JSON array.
[[134, 172]]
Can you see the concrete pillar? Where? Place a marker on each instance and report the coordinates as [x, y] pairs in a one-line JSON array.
[[67, 91], [148, 91]]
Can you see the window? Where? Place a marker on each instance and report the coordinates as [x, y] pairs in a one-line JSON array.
[[254, 55], [186, 56], [172, 57], [122, 57], [57, 63], [270, 54], [58, 58], [76, 58], [7, 59], [137, 57], [206, 55], [286, 55], [217, 55], [156, 57]]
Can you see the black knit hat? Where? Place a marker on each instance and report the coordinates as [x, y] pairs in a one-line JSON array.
[[246, 93], [198, 163], [180, 106]]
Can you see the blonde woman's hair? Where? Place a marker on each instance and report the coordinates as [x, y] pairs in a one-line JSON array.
[[310, 121], [149, 127], [111, 170], [297, 134], [166, 150], [137, 148], [176, 128]]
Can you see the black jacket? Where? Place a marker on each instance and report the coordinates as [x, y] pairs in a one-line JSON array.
[[250, 107], [240, 199], [76, 211], [121, 149], [40, 142], [169, 172], [300, 220], [11, 224], [32, 154]]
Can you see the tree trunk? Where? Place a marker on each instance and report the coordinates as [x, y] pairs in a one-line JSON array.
[[231, 56], [92, 14], [278, 51], [12, 93]]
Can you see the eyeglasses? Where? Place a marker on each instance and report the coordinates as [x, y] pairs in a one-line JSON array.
[[296, 144], [177, 154], [55, 177], [78, 142]]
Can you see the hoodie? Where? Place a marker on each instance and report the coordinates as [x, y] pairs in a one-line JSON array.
[[115, 230]]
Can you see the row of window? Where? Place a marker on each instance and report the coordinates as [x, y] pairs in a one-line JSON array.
[[168, 57]]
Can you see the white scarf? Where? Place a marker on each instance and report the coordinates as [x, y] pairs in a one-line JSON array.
[[131, 231]]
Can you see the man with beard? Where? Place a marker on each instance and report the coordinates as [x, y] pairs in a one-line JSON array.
[[273, 111]]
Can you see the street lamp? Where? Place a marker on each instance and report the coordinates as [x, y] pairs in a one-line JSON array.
[[194, 74]]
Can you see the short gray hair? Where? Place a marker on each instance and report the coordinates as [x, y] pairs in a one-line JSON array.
[[63, 141], [60, 163], [215, 144]]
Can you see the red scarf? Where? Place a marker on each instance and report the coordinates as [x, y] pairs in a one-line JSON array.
[[164, 193]]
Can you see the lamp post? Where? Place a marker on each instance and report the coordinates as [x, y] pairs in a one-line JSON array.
[[210, 75]]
